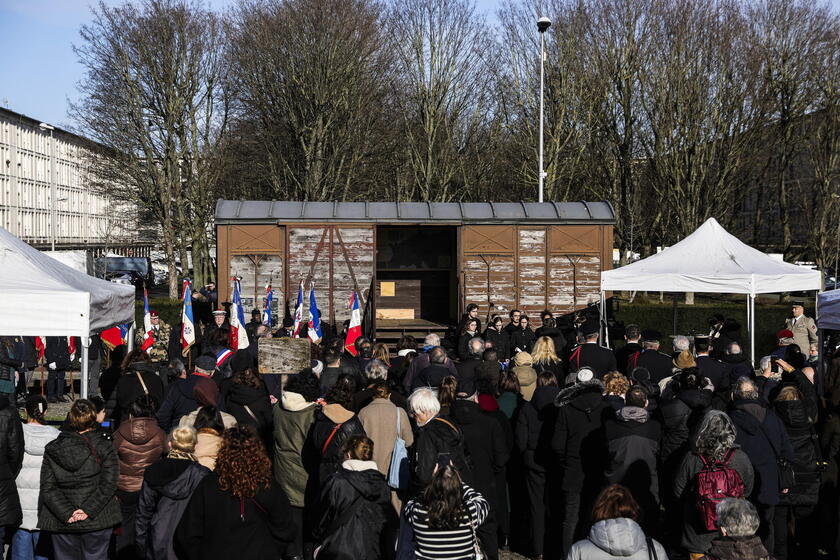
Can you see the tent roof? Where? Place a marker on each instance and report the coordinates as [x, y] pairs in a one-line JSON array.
[[273, 211], [711, 260], [828, 310], [41, 296]]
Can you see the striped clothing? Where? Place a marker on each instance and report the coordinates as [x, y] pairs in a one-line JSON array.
[[447, 544]]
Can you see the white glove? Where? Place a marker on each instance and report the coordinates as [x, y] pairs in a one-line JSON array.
[[52, 365]]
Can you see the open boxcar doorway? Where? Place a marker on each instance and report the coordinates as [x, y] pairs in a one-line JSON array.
[[416, 273]]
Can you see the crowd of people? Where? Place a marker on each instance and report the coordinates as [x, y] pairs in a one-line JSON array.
[[545, 442]]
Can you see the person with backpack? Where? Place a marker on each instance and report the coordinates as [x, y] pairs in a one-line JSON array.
[[354, 506], [714, 469]]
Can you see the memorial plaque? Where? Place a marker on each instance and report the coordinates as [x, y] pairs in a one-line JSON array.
[[284, 355]]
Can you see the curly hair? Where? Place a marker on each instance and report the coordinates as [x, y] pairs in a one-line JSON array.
[[242, 463], [616, 384]]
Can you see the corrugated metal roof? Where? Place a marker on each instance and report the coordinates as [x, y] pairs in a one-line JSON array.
[[263, 211]]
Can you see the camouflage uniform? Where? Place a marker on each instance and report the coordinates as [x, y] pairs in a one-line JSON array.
[[159, 350]]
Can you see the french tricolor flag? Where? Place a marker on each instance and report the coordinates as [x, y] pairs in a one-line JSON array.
[[149, 336], [223, 355], [298, 312], [238, 338], [187, 324], [354, 330]]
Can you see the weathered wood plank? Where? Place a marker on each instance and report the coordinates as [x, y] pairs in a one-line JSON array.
[[284, 355]]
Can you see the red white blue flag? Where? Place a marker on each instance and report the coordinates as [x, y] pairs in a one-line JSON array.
[[223, 355], [187, 324], [354, 331], [314, 333], [298, 312], [269, 297], [238, 337], [149, 335]]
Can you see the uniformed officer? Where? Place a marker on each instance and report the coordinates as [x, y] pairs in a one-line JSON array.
[[709, 367], [590, 354], [219, 322], [804, 328], [161, 331], [657, 363]]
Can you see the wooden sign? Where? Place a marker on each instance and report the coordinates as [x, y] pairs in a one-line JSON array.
[[284, 355]]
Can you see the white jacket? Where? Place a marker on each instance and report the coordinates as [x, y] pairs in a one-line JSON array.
[[35, 438]]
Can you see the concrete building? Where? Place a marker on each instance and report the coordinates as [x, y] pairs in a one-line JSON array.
[[47, 197]]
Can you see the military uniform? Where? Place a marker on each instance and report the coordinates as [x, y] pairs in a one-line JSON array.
[[804, 332], [590, 354], [159, 351], [657, 363]]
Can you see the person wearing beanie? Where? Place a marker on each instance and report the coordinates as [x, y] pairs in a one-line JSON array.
[[526, 374], [206, 393]]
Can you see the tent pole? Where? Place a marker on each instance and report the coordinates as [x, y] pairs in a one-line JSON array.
[[604, 324], [85, 370], [752, 328]]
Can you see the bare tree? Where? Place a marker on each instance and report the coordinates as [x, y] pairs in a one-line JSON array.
[[441, 90], [310, 78], [151, 98]]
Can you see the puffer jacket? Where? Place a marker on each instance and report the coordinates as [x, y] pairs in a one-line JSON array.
[[11, 458], [35, 438], [610, 539], [358, 487], [802, 435], [333, 425], [80, 471], [167, 487], [139, 443]]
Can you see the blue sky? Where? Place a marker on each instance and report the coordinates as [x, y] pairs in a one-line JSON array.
[[39, 71]]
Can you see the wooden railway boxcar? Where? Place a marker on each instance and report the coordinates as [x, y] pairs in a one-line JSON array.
[[416, 262]]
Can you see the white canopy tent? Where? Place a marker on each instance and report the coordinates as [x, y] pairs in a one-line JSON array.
[[713, 260], [828, 310], [40, 296]]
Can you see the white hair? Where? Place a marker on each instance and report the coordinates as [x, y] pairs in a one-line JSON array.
[[765, 361], [432, 339], [738, 516], [376, 370], [424, 401], [681, 343]]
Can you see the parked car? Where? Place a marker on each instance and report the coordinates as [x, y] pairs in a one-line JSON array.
[[138, 269]]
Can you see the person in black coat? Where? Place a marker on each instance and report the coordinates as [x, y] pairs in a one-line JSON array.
[[57, 359], [590, 354], [437, 369], [549, 329], [730, 331], [632, 345], [247, 400], [468, 367], [334, 423], [800, 502], [709, 367], [498, 339], [11, 460], [659, 364], [139, 378], [434, 435], [78, 488], [470, 314], [465, 335], [354, 506], [632, 437], [685, 401], [736, 363], [762, 436], [164, 495], [578, 444], [485, 443], [250, 519], [522, 338], [180, 399], [534, 432]]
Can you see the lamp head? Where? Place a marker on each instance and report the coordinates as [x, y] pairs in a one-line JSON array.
[[543, 23]]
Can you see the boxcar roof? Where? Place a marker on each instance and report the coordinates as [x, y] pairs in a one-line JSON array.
[[268, 211]]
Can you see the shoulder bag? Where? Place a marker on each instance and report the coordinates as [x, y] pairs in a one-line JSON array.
[[398, 472], [787, 477]]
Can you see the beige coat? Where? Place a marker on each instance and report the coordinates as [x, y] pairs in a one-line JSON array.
[[188, 420], [379, 420], [804, 332], [207, 448]]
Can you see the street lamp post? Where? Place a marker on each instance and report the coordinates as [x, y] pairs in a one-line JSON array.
[[542, 24], [45, 127]]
